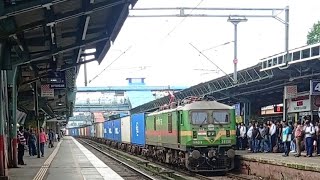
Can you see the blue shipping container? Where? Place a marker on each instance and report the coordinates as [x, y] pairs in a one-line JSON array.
[[73, 132], [105, 129], [117, 130], [109, 128], [138, 135], [92, 131]]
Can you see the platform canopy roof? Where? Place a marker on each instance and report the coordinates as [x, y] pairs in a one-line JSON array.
[[261, 85], [47, 39]]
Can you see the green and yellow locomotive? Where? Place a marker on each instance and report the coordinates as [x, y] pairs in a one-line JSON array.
[[199, 135]]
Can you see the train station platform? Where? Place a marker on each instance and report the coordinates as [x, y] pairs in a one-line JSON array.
[[69, 160], [275, 166]]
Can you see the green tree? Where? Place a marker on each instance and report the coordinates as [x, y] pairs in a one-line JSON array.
[[313, 36]]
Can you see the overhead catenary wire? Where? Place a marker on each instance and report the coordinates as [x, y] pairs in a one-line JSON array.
[[179, 23], [211, 61], [216, 46], [110, 64]]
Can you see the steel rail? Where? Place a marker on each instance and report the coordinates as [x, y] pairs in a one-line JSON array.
[[119, 161]]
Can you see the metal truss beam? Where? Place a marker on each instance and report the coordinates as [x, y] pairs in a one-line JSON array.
[[83, 24], [67, 16], [209, 12], [101, 108], [62, 50], [39, 41], [28, 6], [116, 29]]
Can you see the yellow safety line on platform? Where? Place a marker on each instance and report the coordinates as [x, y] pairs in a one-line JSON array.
[[43, 170]]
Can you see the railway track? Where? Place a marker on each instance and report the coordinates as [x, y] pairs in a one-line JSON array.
[[153, 169], [133, 172]]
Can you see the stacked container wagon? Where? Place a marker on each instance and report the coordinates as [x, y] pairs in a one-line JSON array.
[[199, 135]]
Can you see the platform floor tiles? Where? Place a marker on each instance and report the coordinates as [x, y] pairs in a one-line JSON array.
[[33, 165], [70, 160], [75, 162]]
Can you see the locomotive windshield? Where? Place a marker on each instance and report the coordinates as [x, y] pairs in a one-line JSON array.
[[220, 117], [199, 118]]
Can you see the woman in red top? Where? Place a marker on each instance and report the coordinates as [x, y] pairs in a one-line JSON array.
[[43, 140]]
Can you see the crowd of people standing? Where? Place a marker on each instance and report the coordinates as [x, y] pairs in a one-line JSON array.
[[284, 137], [27, 140]]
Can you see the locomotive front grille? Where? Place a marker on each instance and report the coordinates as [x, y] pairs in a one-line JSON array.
[[222, 163]]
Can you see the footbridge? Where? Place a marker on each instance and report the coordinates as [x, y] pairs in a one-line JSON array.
[[118, 98]]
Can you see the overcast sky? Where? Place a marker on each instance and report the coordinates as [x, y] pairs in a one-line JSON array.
[[162, 44]]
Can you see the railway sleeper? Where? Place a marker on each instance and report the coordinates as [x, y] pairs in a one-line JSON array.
[[167, 172], [144, 163]]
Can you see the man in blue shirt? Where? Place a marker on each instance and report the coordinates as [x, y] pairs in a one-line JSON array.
[[286, 138]]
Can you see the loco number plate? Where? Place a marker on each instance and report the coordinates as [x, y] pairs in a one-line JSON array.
[[226, 141]]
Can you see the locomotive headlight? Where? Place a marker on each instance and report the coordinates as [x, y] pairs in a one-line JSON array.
[[231, 153], [195, 154], [211, 153]]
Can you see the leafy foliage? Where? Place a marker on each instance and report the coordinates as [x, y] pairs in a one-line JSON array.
[[313, 36]]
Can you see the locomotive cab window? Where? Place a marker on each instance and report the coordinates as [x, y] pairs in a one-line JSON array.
[[220, 117], [199, 118]]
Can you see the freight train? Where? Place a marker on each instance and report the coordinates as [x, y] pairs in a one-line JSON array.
[[199, 135]]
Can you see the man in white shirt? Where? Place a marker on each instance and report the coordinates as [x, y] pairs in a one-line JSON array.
[[243, 131], [309, 131], [273, 136], [249, 135]]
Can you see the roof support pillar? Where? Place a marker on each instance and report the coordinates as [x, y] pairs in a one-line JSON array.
[[36, 113], [13, 133], [247, 113], [3, 113]]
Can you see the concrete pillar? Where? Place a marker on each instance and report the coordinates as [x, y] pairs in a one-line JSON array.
[[13, 133], [246, 112], [3, 119], [4, 113]]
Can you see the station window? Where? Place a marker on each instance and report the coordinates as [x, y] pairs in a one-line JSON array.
[[269, 63], [306, 53], [290, 57], [280, 60], [220, 117], [264, 64], [154, 123], [274, 61], [170, 123], [296, 56], [315, 51]]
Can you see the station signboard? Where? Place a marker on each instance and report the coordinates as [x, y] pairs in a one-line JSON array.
[[237, 108], [314, 87], [55, 80], [299, 104]]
